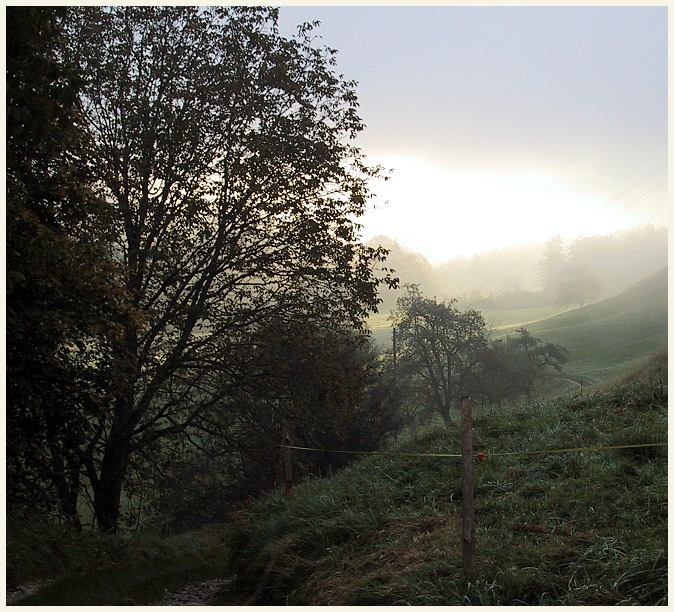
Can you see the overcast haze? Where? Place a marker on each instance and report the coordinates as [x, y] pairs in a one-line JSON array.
[[506, 124]]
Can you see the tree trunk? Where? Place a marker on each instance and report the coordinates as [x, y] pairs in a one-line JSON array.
[[108, 488], [69, 501], [444, 412], [108, 493], [448, 393]]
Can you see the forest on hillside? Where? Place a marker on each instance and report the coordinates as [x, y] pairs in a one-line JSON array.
[[536, 274]]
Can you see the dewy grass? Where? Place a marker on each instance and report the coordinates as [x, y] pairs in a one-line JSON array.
[[565, 529]]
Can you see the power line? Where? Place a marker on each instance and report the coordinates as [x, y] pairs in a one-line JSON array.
[[601, 207], [539, 251]]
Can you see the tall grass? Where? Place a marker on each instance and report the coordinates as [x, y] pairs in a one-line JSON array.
[[568, 529], [575, 528]]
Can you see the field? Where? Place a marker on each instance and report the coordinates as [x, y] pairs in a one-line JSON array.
[[603, 339], [609, 337]]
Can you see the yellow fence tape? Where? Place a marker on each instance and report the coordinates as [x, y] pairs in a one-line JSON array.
[[482, 454]]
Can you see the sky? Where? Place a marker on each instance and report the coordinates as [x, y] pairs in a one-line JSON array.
[[505, 125]]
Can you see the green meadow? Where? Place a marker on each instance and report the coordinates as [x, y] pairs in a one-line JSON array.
[[603, 339], [609, 337], [576, 528]]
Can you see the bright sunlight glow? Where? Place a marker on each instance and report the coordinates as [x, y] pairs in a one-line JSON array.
[[444, 212]]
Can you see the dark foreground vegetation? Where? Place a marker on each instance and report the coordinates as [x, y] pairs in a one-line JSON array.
[[573, 528], [182, 245]]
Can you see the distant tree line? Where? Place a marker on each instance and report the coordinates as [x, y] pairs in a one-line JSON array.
[[536, 275]]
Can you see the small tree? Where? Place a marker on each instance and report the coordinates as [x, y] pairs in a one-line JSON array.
[[442, 342], [535, 358], [578, 286], [509, 370]]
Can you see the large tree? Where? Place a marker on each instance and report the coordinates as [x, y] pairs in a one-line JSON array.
[[226, 154], [441, 341]]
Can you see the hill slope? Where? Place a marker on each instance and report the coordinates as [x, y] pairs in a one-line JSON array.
[[569, 529], [608, 337], [560, 528]]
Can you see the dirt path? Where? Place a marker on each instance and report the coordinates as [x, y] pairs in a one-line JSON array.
[[196, 594], [16, 594]]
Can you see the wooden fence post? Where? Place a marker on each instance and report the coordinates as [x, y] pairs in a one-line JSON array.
[[286, 462], [467, 488]]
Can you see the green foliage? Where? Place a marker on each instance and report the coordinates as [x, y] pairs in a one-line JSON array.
[[515, 368], [563, 529], [62, 296], [438, 344]]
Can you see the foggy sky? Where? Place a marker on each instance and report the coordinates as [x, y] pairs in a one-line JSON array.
[[531, 117]]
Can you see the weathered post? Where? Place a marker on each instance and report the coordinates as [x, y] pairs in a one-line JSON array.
[[467, 488], [286, 463]]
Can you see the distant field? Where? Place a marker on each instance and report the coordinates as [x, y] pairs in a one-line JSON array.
[[604, 339], [609, 337], [380, 327], [495, 320]]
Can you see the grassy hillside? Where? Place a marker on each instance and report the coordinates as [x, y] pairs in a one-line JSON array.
[[609, 337], [517, 317], [574, 528]]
